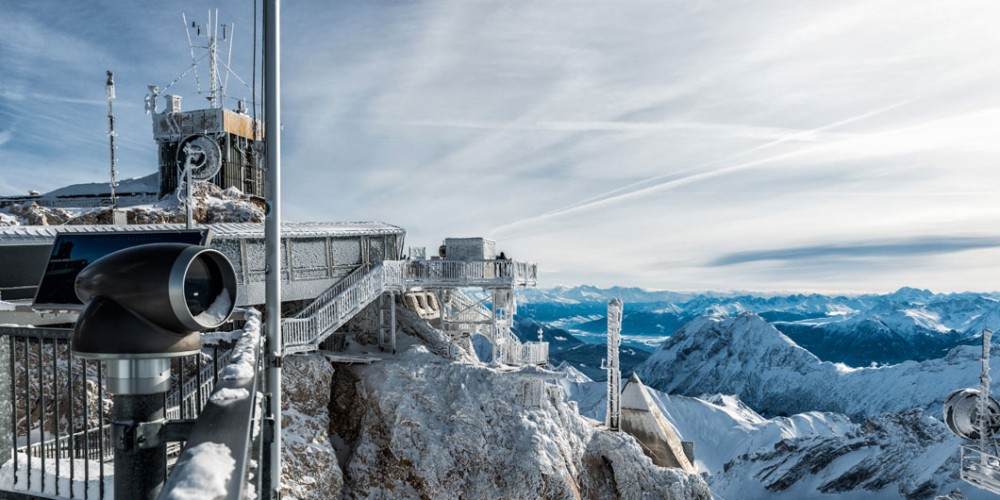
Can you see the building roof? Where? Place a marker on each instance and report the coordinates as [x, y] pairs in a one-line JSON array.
[[27, 235]]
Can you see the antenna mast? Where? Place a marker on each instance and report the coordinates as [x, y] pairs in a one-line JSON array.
[[613, 419], [110, 88], [984, 399]]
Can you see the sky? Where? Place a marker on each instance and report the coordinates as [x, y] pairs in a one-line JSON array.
[[845, 146]]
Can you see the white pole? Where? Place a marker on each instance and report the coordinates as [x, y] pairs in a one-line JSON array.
[[984, 399], [613, 418], [110, 88], [189, 204], [272, 227]]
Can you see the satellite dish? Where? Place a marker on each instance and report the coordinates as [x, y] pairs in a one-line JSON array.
[[201, 154], [961, 413]]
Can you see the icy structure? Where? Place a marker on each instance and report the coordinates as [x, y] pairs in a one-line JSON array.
[[614, 413]]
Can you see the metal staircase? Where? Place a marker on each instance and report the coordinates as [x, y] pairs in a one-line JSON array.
[[338, 304]]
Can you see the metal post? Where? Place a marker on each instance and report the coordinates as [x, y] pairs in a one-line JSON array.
[[272, 231], [188, 208], [613, 420], [984, 400], [138, 387], [139, 472], [110, 88], [392, 320]]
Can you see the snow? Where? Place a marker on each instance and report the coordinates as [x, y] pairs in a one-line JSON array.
[[56, 468], [227, 396], [206, 468], [744, 355], [216, 313], [242, 362]]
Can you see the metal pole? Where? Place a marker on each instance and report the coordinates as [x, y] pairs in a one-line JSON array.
[[139, 472], [272, 229], [188, 205], [110, 87], [984, 399]]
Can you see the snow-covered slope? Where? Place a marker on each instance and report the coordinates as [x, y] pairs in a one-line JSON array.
[[746, 356], [898, 455], [908, 454]]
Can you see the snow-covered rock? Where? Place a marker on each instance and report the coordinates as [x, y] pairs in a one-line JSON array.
[[743, 455], [899, 455], [310, 469], [421, 426]]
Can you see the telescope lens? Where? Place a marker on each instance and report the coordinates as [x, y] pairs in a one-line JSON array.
[[202, 284]]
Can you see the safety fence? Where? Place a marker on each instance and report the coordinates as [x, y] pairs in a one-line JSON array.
[[56, 438]]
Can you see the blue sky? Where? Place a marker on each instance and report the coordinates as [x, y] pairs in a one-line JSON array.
[[765, 145]]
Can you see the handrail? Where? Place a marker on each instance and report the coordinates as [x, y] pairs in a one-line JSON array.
[[304, 333], [218, 449], [449, 273]]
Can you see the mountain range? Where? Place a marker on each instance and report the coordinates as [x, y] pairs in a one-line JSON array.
[[858, 330]]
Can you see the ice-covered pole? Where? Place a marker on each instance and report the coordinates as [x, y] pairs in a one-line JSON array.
[[613, 418], [984, 397], [272, 231], [110, 88]]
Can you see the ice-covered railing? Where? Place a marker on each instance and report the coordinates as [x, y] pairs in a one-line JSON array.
[[61, 436], [336, 306], [216, 458], [470, 273], [471, 314], [980, 468]]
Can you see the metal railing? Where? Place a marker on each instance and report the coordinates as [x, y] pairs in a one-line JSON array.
[[225, 422], [980, 468], [470, 273], [59, 426], [336, 306]]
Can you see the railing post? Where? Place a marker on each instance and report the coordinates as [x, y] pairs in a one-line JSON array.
[[6, 399]]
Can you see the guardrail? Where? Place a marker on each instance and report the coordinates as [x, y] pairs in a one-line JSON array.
[[338, 304], [980, 468], [470, 273], [59, 426], [216, 457], [305, 331]]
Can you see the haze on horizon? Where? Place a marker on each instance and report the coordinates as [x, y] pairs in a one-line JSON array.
[[806, 146]]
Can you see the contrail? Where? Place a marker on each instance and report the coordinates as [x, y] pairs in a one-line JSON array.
[[688, 176], [776, 142]]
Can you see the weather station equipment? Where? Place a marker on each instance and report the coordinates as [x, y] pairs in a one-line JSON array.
[[200, 159], [974, 415], [225, 146]]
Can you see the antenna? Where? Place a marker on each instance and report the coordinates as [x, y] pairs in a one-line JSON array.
[[110, 88], [973, 415], [210, 33], [614, 413]]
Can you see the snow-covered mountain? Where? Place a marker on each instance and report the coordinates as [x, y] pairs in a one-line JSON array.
[[743, 455], [909, 324], [746, 356]]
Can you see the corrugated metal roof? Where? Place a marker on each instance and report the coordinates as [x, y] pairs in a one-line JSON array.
[[15, 235]]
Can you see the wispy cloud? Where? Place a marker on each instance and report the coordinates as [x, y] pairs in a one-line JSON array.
[[627, 142], [880, 249]]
